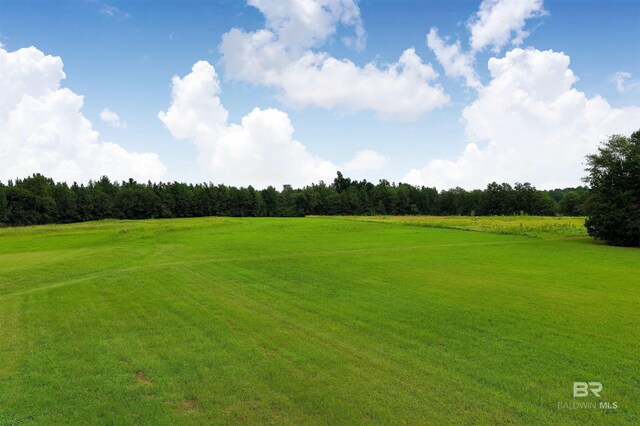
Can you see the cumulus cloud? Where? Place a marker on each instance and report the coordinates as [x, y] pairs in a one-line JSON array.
[[454, 61], [260, 151], [300, 24], [496, 23], [43, 129], [499, 22], [112, 118], [280, 56], [366, 160], [528, 124]]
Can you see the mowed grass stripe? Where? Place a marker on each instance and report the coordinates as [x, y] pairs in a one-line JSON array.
[[317, 320], [53, 264]]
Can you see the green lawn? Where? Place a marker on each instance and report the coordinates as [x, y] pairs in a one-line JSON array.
[[315, 321]]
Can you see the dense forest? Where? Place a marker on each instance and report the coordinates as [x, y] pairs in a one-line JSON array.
[[40, 200]]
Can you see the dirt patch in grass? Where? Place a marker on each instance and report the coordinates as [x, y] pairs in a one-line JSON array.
[[188, 405], [141, 378]]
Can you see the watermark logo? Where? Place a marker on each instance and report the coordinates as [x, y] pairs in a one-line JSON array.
[[582, 389], [587, 390]]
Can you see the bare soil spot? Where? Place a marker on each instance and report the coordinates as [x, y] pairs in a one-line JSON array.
[[188, 405], [141, 378]]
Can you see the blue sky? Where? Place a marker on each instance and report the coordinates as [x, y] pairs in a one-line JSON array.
[[122, 55]]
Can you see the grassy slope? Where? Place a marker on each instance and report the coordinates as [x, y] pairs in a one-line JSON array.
[[311, 320]]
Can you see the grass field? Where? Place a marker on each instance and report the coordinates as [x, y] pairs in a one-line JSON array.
[[316, 321]]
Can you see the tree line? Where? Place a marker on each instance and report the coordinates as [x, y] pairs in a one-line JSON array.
[[40, 200]]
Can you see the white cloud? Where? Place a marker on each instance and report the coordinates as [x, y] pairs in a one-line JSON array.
[[400, 90], [624, 82], [278, 56], [255, 57], [43, 129], [301, 24], [260, 151], [113, 12], [496, 23], [529, 124], [620, 78], [112, 118], [27, 72], [366, 160], [454, 62], [499, 22]]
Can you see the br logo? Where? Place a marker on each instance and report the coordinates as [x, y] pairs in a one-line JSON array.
[[582, 389]]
